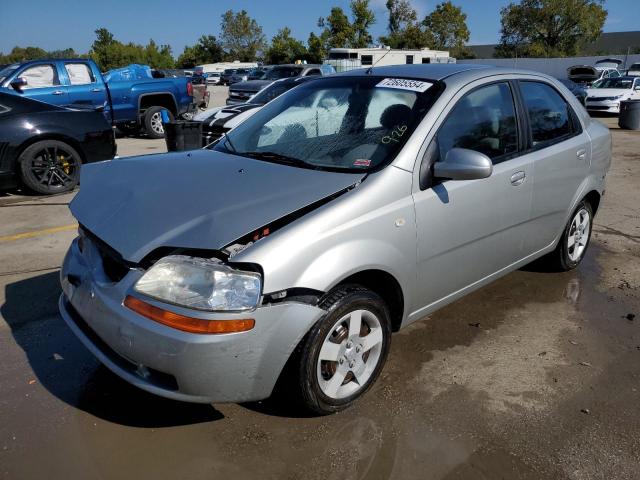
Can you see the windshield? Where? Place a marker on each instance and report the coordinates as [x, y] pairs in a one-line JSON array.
[[7, 71], [277, 73], [338, 123], [614, 83]]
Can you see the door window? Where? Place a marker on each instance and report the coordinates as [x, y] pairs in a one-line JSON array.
[[40, 76], [483, 120], [549, 113], [79, 73]]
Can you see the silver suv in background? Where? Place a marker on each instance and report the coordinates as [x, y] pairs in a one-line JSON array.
[[343, 210], [241, 92]]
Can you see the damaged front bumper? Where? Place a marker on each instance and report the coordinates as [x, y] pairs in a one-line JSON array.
[[233, 367]]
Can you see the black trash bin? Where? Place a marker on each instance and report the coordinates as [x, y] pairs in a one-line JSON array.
[[183, 135], [629, 115]]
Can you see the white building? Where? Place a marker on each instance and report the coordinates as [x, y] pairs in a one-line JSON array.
[[222, 66], [349, 58]]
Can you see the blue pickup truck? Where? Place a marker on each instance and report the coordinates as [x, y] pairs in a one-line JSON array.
[[131, 105]]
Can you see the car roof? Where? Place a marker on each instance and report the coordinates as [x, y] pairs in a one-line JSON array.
[[426, 71]]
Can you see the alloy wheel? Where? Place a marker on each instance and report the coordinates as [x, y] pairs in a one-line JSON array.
[[156, 123], [53, 167], [578, 234], [349, 354]]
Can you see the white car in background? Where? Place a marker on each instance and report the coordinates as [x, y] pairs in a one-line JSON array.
[[213, 78], [634, 70], [606, 94]]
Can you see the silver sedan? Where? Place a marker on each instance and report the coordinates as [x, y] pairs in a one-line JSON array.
[[344, 210]]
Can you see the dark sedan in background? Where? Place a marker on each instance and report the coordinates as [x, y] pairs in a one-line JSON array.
[[42, 146]]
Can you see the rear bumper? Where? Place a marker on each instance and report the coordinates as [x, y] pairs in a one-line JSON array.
[[174, 364]]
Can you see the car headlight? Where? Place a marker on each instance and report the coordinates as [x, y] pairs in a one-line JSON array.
[[200, 284]]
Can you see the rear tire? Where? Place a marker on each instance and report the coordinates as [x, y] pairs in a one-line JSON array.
[[50, 166], [574, 242], [344, 352], [153, 122]]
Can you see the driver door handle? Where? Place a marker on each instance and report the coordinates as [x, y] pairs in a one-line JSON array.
[[96, 89], [518, 178], [58, 92]]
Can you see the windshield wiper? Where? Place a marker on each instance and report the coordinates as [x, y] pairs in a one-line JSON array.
[[278, 158]]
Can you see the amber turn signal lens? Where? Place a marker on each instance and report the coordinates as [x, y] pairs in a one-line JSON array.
[[187, 324]]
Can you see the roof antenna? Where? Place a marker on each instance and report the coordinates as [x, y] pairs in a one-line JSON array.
[[369, 70]]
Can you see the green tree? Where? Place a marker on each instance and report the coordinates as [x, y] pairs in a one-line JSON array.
[[315, 49], [20, 54], [404, 29], [549, 28], [363, 18], [158, 57], [63, 53], [284, 48], [448, 27], [338, 31], [242, 37], [207, 50], [401, 15], [100, 49]]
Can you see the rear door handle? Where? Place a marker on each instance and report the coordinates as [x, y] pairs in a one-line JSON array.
[[96, 89], [58, 92], [518, 178], [581, 154]]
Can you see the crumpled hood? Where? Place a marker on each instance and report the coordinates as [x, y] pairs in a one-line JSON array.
[[201, 199]]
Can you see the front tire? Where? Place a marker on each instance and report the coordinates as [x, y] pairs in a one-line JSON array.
[[345, 351], [50, 166], [153, 121], [574, 242]]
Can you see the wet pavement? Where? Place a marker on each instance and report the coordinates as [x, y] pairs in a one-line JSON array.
[[535, 376]]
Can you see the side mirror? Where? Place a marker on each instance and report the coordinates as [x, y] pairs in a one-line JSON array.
[[463, 164], [19, 83]]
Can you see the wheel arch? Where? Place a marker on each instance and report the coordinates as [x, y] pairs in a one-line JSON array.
[[383, 284], [593, 198], [165, 100]]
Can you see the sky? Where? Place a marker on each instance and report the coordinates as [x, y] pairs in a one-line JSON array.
[[71, 23]]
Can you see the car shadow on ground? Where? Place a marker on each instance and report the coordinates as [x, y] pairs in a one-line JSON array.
[[68, 371]]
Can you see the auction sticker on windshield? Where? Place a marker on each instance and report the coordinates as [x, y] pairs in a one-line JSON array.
[[405, 84]]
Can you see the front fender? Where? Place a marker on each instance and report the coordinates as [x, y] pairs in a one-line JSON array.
[[369, 227]]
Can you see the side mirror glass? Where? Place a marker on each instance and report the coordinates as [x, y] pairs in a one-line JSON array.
[[463, 164], [19, 83]]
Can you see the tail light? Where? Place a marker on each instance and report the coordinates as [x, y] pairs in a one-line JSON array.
[[189, 89]]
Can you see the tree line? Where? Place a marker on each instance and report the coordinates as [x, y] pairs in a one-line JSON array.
[[530, 28]]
